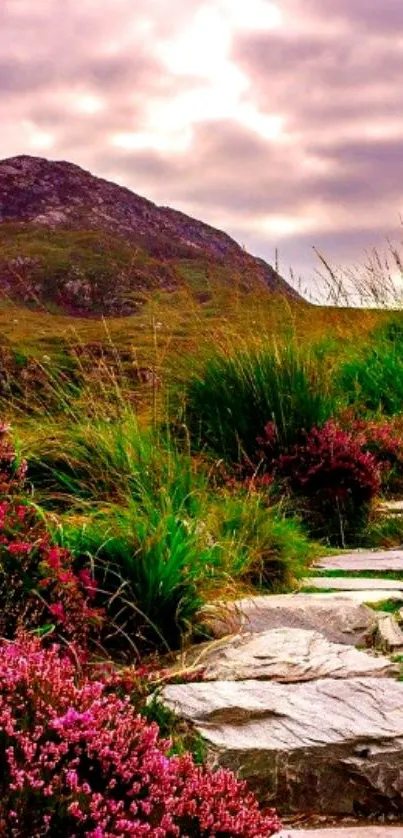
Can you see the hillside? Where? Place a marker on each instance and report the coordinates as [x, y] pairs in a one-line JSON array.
[[85, 246]]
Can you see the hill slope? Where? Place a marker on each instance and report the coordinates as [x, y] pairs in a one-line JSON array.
[[91, 247]]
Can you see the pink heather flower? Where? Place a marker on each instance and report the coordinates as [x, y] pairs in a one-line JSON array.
[[57, 611], [83, 756], [53, 558], [19, 547]]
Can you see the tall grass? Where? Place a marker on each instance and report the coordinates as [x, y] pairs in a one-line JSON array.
[[372, 379], [237, 394], [104, 461], [161, 535]]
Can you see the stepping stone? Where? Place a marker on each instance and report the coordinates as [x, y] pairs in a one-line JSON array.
[[345, 583], [328, 746], [338, 616], [345, 832], [391, 507], [389, 634], [289, 655], [378, 560]]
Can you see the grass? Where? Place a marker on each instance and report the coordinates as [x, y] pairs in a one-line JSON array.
[[229, 404], [163, 533]]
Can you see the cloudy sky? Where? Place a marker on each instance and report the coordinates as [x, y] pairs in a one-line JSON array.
[[280, 122]]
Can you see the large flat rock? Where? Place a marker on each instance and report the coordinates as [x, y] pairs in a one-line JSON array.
[[346, 583], [289, 655], [338, 616], [328, 746], [345, 832], [379, 560]]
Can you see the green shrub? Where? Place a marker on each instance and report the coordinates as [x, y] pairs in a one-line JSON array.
[[263, 545], [108, 461], [154, 569], [229, 405], [147, 568]]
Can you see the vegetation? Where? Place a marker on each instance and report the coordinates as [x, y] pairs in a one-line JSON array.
[[153, 464]]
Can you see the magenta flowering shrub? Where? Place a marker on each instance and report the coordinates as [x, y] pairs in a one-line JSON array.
[[332, 475], [77, 760], [384, 440], [39, 587]]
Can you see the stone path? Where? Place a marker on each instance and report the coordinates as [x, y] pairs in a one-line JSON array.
[[345, 583], [346, 832], [285, 699], [289, 655], [379, 560]]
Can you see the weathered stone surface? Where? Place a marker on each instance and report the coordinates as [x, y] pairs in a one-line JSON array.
[[391, 507], [338, 616], [326, 746], [345, 583], [378, 560], [345, 832], [290, 655], [389, 635]]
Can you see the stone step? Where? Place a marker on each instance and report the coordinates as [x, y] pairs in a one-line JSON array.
[[345, 583], [330, 746], [366, 560], [286, 655], [391, 507], [389, 636], [339, 618], [345, 832]]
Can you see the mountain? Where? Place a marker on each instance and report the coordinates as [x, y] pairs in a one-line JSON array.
[[86, 246]]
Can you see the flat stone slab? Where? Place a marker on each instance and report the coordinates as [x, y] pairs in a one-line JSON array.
[[345, 583], [327, 746], [389, 636], [345, 832], [391, 507], [290, 655], [370, 560], [338, 616]]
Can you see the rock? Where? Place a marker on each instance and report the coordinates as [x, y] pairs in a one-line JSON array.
[[391, 507], [380, 560], [345, 832], [290, 655], [389, 635], [345, 583], [337, 616], [327, 746]]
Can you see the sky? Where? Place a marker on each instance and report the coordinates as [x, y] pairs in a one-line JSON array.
[[279, 122]]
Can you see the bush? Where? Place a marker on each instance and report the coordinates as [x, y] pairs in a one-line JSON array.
[[147, 568], [77, 760], [262, 545], [335, 479], [109, 461], [384, 440], [228, 406], [39, 587]]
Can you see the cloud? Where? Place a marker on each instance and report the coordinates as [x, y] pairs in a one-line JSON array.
[[277, 121]]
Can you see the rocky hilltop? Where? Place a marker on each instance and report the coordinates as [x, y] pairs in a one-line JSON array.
[[89, 246]]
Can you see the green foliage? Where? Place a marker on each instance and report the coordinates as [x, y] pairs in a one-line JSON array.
[[161, 536], [263, 545], [230, 403], [147, 567], [102, 461], [372, 381]]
